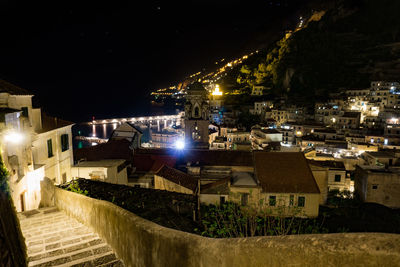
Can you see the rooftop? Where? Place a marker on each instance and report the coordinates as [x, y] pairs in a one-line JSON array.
[[6, 87], [220, 187], [203, 157], [331, 164], [284, 172], [243, 179], [106, 163], [50, 123], [178, 177], [113, 149], [381, 154]]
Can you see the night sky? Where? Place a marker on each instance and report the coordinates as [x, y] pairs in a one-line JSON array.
[[84, 58]]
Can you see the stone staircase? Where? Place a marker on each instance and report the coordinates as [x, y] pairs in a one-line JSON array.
[[55, 239]]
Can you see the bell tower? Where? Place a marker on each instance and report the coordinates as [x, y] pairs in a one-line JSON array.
[[196, 116]]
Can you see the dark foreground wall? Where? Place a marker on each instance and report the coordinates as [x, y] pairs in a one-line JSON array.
[[139, 242], [12, 245]]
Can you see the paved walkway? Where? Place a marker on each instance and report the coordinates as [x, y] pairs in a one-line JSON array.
[[54, 239]]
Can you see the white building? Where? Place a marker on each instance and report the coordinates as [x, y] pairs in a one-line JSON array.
[[262, 138], [32, 146], [107, 170]]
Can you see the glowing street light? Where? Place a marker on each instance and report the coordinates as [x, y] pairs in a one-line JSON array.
[[13, 137], [180, 144], [216, 90]]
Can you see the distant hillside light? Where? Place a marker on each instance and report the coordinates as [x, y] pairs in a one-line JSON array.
[[216, 90], [13, 137]]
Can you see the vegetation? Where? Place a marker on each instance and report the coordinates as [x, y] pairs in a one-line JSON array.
[[232, 220], [168, 209], [74, 187], [342, 199], [346, 47], [4, 174]]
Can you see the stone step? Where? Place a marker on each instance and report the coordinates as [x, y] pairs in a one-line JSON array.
[[74, 253], [55, 239], [59, 247]]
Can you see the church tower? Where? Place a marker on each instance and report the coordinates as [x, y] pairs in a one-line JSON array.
[[196, 116]]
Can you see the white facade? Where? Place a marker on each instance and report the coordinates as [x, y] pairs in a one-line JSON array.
[[24, 147], [58, 165], [109, 170]]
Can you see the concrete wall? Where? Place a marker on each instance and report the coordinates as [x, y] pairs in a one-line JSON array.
[[378, 187], [337, 185], [139, 242], [212, 199], [164, 184]]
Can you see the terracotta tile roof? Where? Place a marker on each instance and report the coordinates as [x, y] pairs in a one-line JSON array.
[[178, 177], [217, 157], [6, 87], [152, 162], [50, 123], [113, 149], [203, 156], [284, 172]]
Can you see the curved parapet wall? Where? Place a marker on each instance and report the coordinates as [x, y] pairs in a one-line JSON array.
[[139, 242]]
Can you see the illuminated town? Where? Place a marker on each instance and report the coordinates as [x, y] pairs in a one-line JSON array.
[[279, 155]]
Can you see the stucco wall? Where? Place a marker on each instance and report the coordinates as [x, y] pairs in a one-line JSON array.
[[212, 199], [337, 185], [61, 161], [388, 189], [310, 208], [139, 242], [164, 184], [321, 178]]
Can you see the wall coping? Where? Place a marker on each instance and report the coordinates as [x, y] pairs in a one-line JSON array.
[[139, 242]]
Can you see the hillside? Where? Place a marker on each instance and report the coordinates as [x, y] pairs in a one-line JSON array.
[[353, 43]]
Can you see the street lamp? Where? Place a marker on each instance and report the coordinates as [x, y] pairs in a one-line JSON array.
[[13, 137], [180, 144]]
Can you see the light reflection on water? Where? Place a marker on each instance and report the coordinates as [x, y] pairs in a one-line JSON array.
[[104, 131]]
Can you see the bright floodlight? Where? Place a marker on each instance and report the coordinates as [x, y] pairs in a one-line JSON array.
[[13, 137], [179, 144]]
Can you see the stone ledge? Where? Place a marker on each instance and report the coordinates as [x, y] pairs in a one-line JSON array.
[[139, 242]]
